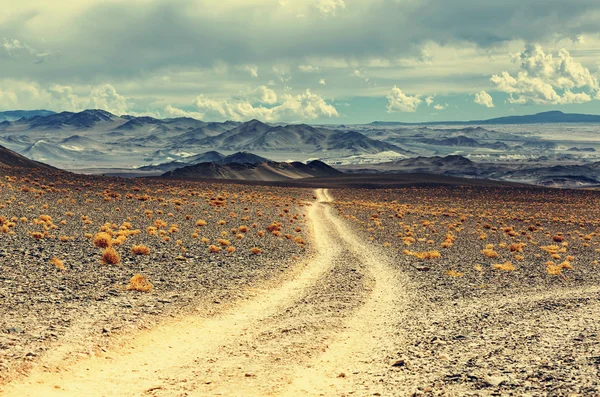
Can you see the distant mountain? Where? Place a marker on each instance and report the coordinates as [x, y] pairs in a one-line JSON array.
[[242, 158], [257, 136], [85, 119], [464, 141], [138, 122], [49, 152], [8, 158], [208, 157], [81, 143], [554, 116], [12, 115], [358, 143], [265, 171]]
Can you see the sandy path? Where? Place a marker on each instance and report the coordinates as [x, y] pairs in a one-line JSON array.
[[281, 342]]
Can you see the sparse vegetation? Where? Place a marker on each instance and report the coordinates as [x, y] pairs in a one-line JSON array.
[[139, 283]]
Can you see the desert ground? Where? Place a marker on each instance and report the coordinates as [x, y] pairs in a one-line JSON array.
[[114, 287]]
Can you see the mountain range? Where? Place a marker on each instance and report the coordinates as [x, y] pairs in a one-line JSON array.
[[96, 138], [553, 116]]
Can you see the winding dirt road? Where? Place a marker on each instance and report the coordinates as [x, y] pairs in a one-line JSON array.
[[327, 331]]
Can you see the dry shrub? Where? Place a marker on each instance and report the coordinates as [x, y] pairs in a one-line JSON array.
[[255, 250], [139, 283], [408, 240], [102, 240], [60, 265], [516, 247], [231, 250], [214, 249], [140, 250], [454, 273], [490, 253], [507, 266], [223, 242], [243, 229], [424, 254], [37, 235], [558, 238], [110, 256]]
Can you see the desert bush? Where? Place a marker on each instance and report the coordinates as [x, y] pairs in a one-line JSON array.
[[102, 240], [454, 273], [110, 256], [140, 250], [516, 247], [58, 263], [214, 249], [490, 253], [139, 283], [37, 235], [255, 250], [506, 266], [424, 254]]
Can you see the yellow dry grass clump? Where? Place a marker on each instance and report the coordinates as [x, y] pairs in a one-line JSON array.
[[214, 249], [110, 256], [454, 273], [255, 250], [139, 283], [102, 240], [60, 265], [424, 254], [140, 250], [556, 269], [490, 253], [506, 266]]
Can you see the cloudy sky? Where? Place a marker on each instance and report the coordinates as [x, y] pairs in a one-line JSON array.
[[319, 61]]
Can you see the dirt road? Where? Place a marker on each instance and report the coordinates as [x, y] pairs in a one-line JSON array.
[[327, 331]]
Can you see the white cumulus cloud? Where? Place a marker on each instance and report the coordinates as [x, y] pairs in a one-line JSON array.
[[484, 99], [287, 107], [308, 68], [107, 98], [398, 101], [545, 79], [329, 7]]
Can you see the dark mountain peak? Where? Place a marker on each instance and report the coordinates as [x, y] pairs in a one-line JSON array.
[[99, 113], [253, 124], [550, 113], [84, 119], [243, 158], [137, 122]]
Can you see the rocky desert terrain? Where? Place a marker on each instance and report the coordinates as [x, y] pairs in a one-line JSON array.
[[434, 289]]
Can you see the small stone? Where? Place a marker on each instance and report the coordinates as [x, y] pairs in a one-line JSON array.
[[399, 363]]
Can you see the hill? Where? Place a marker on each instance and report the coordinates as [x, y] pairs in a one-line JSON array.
[[8, 158], [264, 171]]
